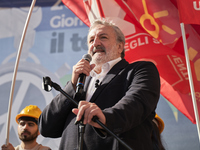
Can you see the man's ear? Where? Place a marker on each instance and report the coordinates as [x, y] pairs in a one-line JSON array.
[[120, 47], [38, 132]]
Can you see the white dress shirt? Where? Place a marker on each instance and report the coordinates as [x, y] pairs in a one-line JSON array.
[[105, 69]]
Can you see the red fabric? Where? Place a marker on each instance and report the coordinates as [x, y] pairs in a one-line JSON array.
[[152, 31], [189, 11], [77, 7]]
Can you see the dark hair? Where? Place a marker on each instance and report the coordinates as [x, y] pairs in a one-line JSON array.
[[119, 34], [28, 119]]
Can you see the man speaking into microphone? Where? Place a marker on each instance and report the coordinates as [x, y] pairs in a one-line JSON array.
[[123, 96]]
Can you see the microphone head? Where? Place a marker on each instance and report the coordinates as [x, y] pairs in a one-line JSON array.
[[87, 57], [46, 84]]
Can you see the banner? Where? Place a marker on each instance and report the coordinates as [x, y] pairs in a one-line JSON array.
[[189, 11], [152, 32]]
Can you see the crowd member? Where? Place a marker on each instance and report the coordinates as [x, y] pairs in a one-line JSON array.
[[124, 100], [158, 125], [28, 131]]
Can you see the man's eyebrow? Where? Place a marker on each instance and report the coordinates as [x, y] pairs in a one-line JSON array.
[[103, 34], [98, 35]]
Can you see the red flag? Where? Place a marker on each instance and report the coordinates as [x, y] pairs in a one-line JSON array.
[[77, 7], [152, 32], [189, 11]]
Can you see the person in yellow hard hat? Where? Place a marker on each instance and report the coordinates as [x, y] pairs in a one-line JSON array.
[[158, 125], [28, 131]]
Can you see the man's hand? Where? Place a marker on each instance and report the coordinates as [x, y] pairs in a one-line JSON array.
[[83, 66], [7, 147], [89, 110]]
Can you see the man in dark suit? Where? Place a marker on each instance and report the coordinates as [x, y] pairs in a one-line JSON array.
[[124, 98]]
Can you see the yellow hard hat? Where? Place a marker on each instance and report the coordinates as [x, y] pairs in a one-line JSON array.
[[161, 124], [29, 111]]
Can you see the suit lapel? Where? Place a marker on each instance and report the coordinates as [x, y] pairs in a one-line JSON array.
[[109, 77], [87, 81]]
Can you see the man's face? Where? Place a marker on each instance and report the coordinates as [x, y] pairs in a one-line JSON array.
[[103, 46], [27, 130]]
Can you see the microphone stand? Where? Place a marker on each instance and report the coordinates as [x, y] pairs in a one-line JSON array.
[[81, 126], [47, 84]]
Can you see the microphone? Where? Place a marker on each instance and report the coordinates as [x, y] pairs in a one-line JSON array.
[[46, 84], [82, 76]]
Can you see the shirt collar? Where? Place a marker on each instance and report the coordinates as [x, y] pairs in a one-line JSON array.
[[106, 67]]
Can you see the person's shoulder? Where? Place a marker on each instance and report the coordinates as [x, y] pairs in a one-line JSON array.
[[17, 147], [142, 64], [41, 147], [147, 66]]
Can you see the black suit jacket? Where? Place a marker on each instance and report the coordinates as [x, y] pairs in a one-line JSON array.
[[128, 96]]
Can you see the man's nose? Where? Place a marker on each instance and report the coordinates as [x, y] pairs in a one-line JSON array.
[[26, 126], [96, 42]]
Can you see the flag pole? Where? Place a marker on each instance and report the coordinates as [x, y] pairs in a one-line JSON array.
[[190, 79], [16, 68]]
